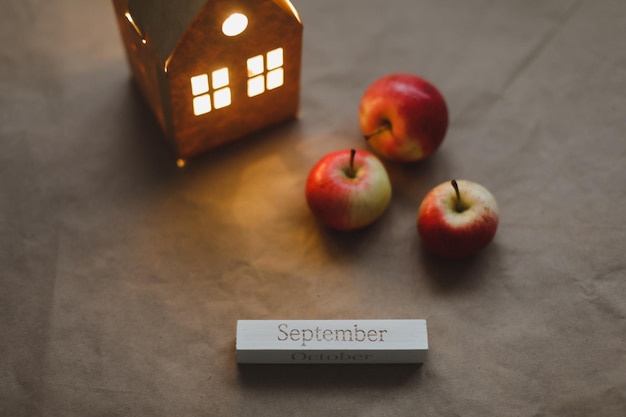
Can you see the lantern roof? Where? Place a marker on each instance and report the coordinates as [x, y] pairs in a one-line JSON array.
[[164, 22]]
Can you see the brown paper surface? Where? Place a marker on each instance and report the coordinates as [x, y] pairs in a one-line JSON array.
[[122, 276]]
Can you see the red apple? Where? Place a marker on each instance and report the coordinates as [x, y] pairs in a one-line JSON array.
[[457, 219], [403, 117], [348, 189]]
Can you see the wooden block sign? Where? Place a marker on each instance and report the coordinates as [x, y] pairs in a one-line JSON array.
[[331, 341]]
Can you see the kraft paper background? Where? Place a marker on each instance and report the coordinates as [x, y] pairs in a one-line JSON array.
[[122, 276]]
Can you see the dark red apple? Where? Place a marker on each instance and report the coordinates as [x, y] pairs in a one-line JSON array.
[[457, 219], [403, 117]]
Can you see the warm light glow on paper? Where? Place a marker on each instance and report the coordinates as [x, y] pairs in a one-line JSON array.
[[235, 24]]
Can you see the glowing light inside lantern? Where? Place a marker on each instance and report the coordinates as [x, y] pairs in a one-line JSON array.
[[258, 79], [235, 24], [255, 65], [275, 79], [275, 58], [256, 85], [222, 98], [219, 78], [199, 84], [204, 101], [201, 104]]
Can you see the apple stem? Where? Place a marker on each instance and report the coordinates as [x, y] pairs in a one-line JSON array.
[[384, 126], [459, 204], [351, 167]]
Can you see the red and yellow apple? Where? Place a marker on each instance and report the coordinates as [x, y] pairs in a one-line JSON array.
[[403, 117], [457, 219], [348, 189]]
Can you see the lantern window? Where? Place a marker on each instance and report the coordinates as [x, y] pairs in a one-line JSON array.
[[265, 72], [256, 85], [275, 59], [219, 78], [235, 24], [255, 65], [275, 78], [199, 84], [221, 98], [205, 99], [201, 104]]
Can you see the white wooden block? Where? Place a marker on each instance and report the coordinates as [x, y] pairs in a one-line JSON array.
[[331, 341]]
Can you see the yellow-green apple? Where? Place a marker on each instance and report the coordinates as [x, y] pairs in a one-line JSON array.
[[403, 117], [457, 219], [348, 189]]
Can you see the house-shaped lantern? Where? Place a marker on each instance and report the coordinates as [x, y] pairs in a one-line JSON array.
[[213, 70]]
